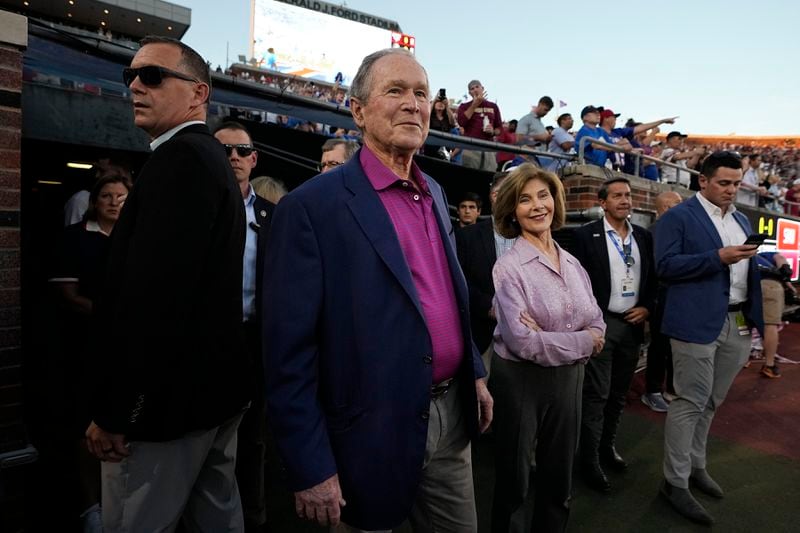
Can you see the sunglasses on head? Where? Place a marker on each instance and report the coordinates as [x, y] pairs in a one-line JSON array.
[[243, 150], [152, 76]]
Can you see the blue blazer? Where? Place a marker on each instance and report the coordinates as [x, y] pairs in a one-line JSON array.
[[698, 283], [347, 353]]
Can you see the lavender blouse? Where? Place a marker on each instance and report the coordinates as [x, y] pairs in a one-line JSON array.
[[562, 304]]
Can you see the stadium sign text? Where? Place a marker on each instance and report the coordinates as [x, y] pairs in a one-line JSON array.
[[343, 12]]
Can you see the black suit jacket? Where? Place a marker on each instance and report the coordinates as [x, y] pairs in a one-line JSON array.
[[169, 342], [477, 255], [590, 246], [264, 210]]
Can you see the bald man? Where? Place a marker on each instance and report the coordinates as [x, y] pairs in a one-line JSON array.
[[659, 354], [665, 201]]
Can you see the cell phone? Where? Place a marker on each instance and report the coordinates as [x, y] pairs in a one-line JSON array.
[[756, 239], [442, 95]]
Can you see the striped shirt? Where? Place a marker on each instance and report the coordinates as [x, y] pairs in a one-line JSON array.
[[411, 210]]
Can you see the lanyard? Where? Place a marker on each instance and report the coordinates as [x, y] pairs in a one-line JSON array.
[[627, 258]]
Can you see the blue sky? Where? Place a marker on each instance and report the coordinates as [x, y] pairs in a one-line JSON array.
[[725, 67]]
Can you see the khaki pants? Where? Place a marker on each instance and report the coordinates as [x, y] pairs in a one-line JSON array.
[[703, 375], [446, 497], [159, 482], [481, 160]]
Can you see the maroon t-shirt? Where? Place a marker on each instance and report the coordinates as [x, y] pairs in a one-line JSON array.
[[473, 127]]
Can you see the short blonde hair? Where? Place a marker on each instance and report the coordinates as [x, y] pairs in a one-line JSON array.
[[505, 206], [268, 188]]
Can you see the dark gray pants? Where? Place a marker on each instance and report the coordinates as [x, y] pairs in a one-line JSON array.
[[536, 416], [608, 378]]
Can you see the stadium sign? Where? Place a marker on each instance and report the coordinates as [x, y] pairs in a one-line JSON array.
[[345, 13]]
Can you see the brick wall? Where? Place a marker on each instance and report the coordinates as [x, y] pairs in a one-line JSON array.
[[581, 183], [13, 39]]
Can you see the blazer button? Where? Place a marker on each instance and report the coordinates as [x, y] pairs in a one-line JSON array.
[[425, 415], [427, 359]]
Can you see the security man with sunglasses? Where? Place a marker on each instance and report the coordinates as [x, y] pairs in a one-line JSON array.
[[238, 144], [618, 256], [172, 370]]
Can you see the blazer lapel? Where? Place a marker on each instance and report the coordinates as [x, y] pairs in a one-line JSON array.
[[696, 208], [371, 216], [600, 241]]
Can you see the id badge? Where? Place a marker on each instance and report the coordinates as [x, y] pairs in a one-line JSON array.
[[741, 324], [628, 289]]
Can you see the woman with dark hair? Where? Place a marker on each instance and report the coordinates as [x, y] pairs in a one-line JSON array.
[[548, 325], [77, 280], [442, 119]]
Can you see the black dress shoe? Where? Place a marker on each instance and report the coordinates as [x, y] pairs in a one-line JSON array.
[[683, 502], [594, 476], [611, 458]]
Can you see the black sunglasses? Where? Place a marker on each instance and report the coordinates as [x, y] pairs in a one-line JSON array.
[[243, 150], [152, 76]]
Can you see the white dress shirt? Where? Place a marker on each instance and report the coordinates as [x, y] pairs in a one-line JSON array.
[[731, 234], [617, 303]]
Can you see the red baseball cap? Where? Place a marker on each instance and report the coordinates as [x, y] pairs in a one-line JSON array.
[[605, 113]]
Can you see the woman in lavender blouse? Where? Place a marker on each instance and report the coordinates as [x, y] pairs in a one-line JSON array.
[[548, 325]]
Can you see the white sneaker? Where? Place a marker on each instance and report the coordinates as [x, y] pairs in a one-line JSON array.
[[655, 402]]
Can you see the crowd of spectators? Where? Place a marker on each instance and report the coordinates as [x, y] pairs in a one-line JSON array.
[[770, 171]]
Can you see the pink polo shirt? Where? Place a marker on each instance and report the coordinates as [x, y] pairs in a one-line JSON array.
[[412, 214]]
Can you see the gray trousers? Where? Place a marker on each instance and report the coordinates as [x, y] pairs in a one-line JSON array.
[[608, 378], [192, 476], [445, 499], [703, 375], [537, 411], [480, 160]]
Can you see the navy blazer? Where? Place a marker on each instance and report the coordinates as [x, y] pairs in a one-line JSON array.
[[347, 353], [698, 283]]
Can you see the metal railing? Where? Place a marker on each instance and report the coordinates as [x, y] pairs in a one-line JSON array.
[[637, 162]]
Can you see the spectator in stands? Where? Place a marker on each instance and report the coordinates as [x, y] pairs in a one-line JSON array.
[[710, 342], [775, 271], [363, 279], [270, 189], [792, 205], [251, 436], [595, 154], [336, 152], [442, 119], [548, 325], [776, 193], [170, 357], [530, 130], [618, 257], [469, 209], [78, 203], [563, 142], [507, 136], [659, 355], [675, 153], [478, 248], [481, 120], [78, 275], [751, 190], [608, 121]]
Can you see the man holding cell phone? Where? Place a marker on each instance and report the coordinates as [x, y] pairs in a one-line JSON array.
[[713, 299]]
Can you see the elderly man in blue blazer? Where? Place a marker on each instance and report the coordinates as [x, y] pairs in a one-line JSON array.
[[374, 386], [713, 300]]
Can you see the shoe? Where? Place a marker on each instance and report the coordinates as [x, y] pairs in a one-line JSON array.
[[771, 372], [683, 502], [747, 364], [610, 457], [669, 397], [700, 479], [655, 401], [594, 476]]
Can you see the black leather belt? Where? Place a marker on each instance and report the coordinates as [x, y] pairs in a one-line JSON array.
[[733, 308], [440, 389]]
